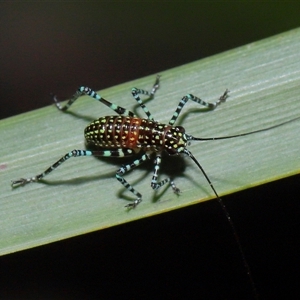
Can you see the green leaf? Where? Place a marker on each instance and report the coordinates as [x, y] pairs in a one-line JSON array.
[[82, 195]]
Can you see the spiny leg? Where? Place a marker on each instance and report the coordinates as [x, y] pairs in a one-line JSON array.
[[124, 169], [135, 93], [83, 90], [209, 105], [156, 185], [74, 153]]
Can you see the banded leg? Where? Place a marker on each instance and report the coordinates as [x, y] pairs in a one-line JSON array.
[[156, 185], [83, 90], [185, 99], [135, 93], [74, 153], [124, 169]]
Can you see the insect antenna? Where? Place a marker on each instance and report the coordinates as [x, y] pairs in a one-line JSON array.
[[186, 151], [237, 239], [192, 138]]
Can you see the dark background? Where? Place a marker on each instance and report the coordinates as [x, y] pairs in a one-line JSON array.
[[52, 47]]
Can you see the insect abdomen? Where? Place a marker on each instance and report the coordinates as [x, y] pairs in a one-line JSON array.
[[125, 132]]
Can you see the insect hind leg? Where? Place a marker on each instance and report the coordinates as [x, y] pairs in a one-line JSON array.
[[74, 153], [188, 97], [136, 92], [83, 90]]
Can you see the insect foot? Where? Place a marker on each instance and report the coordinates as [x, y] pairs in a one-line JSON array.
[[176, 190], [224, 96], [133, 204], [22, 181]]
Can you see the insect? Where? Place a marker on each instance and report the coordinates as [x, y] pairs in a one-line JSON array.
[[126, 134]]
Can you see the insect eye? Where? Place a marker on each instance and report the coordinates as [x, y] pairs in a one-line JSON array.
[[179, 129]]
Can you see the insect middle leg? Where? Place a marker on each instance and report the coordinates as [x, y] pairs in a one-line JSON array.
[[188, 97], [154, 183], [135, 93], [124, 169]]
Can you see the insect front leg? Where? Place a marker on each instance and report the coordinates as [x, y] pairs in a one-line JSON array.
[[74, 153], [156, 185], [188, 97], [135, 93], [124, 169]]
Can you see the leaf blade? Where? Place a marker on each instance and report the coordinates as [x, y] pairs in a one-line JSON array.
[[263, 78]]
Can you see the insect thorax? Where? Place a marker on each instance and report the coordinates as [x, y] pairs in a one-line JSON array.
[[116, 132]]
